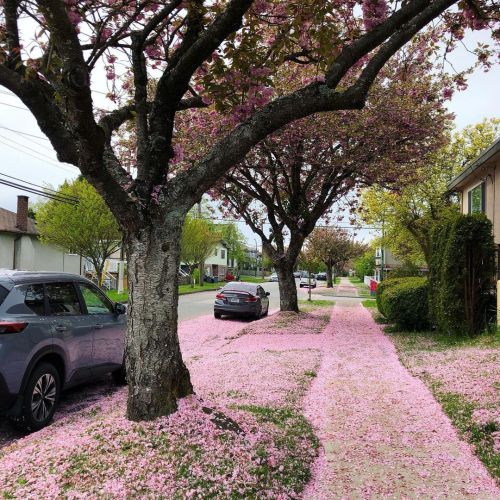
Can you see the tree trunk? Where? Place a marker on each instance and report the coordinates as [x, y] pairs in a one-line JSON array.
[[201, 269], [287, 286], [156, 373], [329, 280]]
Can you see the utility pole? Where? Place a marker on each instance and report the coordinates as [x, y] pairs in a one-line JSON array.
[[201, 264]]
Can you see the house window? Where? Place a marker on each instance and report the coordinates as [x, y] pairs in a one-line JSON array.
[[215, 252], [477, 199], [223, 254]]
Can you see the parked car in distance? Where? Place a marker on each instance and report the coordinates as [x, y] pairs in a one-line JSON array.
[[321, 276], [239, 298], [210, 279], [306, 281], [57, 330], [297, 274], [273, 277]]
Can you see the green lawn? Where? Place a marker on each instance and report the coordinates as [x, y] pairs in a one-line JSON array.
[[370, 303], [183, 289], [252, 279]]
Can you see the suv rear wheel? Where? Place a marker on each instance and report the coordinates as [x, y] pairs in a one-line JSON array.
[[40, 397]]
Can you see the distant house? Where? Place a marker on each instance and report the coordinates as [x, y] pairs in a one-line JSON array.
[[479, 189], [385, 262], [20, 247], [217, 264]]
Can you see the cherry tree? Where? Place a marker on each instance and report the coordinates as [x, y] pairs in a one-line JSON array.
[[333, 247], [223, 55], [294, 177]]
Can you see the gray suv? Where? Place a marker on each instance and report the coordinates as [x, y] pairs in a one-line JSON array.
[[57, 330]]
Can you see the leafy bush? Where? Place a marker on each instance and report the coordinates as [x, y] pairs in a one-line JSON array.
[[365, 265], [404, 301], [382, 287], [461, 274], [406, 270]]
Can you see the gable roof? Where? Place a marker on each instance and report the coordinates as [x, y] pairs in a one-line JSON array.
[[480, 160], [8, 223]]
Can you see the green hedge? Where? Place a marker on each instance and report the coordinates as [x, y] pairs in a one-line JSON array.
[[404, 301], [461, 274], [382, 287]]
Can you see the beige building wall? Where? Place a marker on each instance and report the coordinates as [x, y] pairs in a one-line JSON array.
[[490, 174]]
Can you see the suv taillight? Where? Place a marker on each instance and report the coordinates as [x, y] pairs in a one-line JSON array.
[[12, 326], [220, 296], [251, 299]]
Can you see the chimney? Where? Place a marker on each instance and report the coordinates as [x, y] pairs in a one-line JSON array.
[[22, 213]]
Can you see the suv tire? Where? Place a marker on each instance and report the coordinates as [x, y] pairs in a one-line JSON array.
[[120, 376], [40, 398]]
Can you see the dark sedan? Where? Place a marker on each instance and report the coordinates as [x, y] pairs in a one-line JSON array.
[[239, 298]]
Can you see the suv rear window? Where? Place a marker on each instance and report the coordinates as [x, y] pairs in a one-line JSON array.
[[3, 293]]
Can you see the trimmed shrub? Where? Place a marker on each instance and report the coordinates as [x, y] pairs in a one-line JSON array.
[[405, 303], [461, 274], [382, 287]]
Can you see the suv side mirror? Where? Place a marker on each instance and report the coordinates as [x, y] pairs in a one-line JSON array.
[[120, 308], [268, 293]]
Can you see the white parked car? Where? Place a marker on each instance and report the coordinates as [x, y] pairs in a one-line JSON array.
[[306, 281], [273, 277]]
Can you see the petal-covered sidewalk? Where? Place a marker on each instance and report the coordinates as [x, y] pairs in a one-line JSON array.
[[383, 434]]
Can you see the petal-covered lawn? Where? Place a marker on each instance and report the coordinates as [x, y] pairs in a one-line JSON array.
[[464, 375], [383, 433], [241, 435]]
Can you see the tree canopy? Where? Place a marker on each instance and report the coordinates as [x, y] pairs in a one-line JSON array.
[[87, 227], [407, 213]]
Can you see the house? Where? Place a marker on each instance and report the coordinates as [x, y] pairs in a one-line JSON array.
[[216, 264], [385, 262], [479, 189], [20, 246]]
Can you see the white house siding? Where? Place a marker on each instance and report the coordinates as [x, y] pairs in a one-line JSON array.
[[31, 255], [6, 250]]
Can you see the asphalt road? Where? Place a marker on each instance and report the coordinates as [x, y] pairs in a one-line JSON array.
[[201, 303]]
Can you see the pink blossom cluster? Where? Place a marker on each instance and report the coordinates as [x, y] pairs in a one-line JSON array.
[[374, 12]]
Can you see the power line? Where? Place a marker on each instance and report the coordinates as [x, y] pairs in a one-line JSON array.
[[24, 133], [36, 157], [13, 106], [28, 189], [69, 197]]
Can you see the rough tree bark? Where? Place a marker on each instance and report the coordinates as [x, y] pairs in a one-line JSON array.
[[287, 286], [156, 373], [329, 278]]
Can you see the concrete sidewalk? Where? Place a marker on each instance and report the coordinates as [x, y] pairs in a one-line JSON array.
[[383, 434]]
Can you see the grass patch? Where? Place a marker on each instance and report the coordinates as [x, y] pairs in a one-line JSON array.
[[308, 306], [252, 279], [460, 413], [183, 290], [370, 303], [456, 406], [355, 280], [295, 430], [435, 341], [117, 297]]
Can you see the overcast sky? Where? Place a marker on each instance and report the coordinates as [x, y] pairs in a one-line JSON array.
[[31, 157]]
